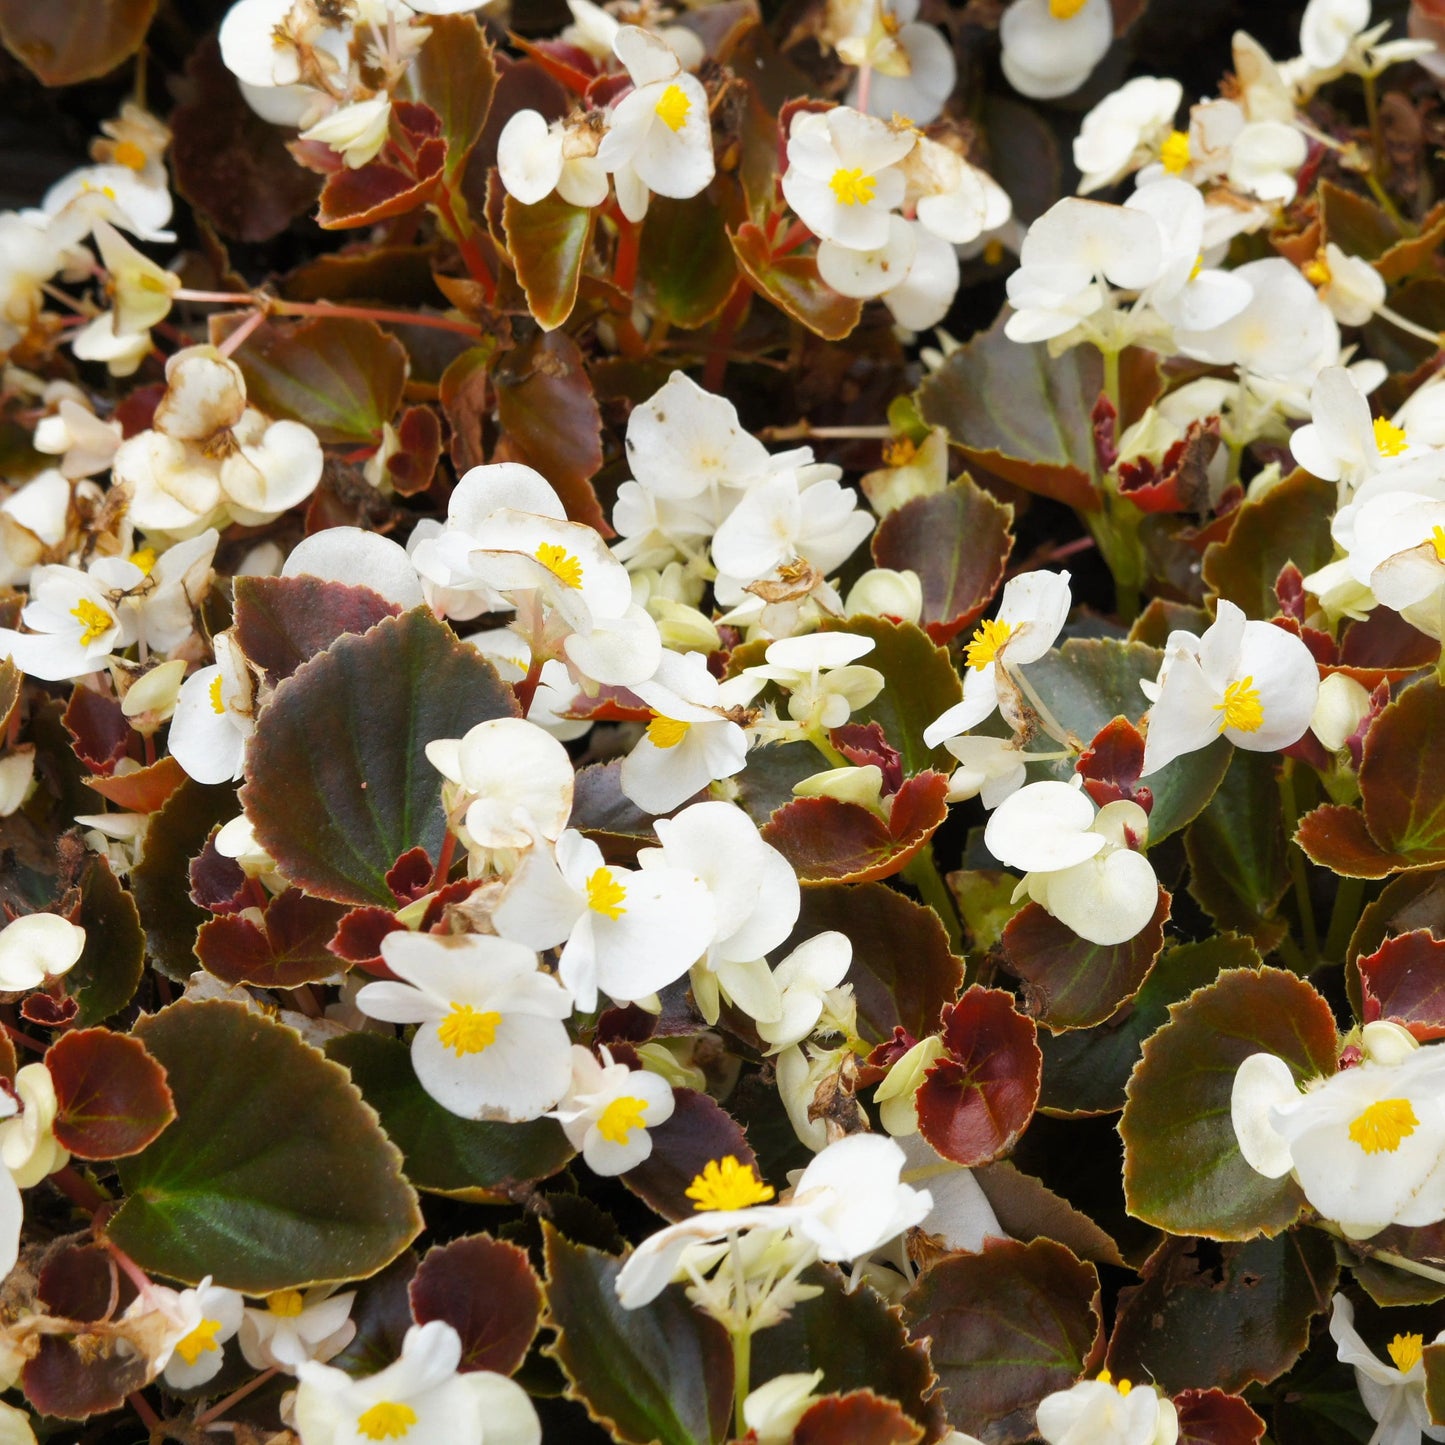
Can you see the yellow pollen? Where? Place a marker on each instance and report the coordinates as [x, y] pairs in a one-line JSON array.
[[1318, 272], [621, 1117], [1124, 1386], [605, 894], [1406, 1350], [287, 1303], [1383, 1125], [1104, 1377], [466, 1030], [385, 1421], [666, 732], [561, 564], [993, 252], [95, 620], [899, 452], [987, 641], [1437, 541], [130, 155], [200, 1341], [852, 188], [1198, 267], [1389, 439], [1066, 9], [145, 559], [726, 1184], [1241, 707], [217, 705], [672, 109], [1174, 153]]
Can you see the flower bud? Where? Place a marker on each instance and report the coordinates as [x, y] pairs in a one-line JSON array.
[[863, 786], [882, 592], [1342, 706]]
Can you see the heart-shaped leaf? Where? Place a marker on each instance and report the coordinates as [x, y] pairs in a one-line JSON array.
[[282, 622], [486, 1290], [112, 1094]]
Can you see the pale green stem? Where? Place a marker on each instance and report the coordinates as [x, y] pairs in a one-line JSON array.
[[922, 872]]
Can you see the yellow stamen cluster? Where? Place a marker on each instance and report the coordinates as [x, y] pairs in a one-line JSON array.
[[1406, 1350], [984, 647], [560, 563], [1066, 9], [93, 618], [852, 187], [145, 559], [672, 109], [466, 1030], [288, 1303], [1437, 541], [621, 1117], [1105, 1378], [1317, 272], [218, 705], [666, 732], [726, 1184], [386, 1420], [200, 1341], [1382, 1127], [1390, 439], [130, 155], [1174, 153], [899, 452], [1241, 707], [605, 895]]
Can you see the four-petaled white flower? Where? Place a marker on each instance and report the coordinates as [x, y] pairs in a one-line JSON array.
[[295, 1326], [608, 1110], [1394, 1394], [1102, 1411], [209, 1315]]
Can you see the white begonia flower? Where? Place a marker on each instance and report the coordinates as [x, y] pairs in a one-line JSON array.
[[1050, 47], [811, 988], [863, 274], [659, 135], [953, 200], [1366, 1145], [275, 466], [755, 902], [690, 741], [819, 673], [36, 947], [1080, 864], [884, 592], [1343, 704], [122, 352], [491, 1042], [1264, 160], [140, 290], [1348, 285], [962, 1215], [174, 487], [1342, 443], [75, 626], [356, 132], [772, 1411], [989, 768], [1031, 614], [418, 1399], [1328, 30], [293, 1327], [34, 520], [1251, 681], [215, 714], [625, 933], [84, 443], [912, 65], [535, 158], [508, 783], [15, 1426], [29, 256], [608, 1110], [1100, 1412], [214, 1315], [1066, 254], [29, 1150], [925, 294], [848, 1202], [1125, 129], [1399, 548], [358, 558], [843, 177], [1394, 1394], [17, 774], [113, 193], [555, 692]]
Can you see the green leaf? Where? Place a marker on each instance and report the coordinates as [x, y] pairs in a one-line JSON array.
[[108, 972], [1289, 523], [444, 1153], [686, 269], [73, 40], [548, 243], [456, 75], [1090, 681], [1400, 773], [1021, 414], [1225, 1315], [1085, 1071], [342, 377], [958, 541], [1006, 1326], [655, 1376], [1182, 1167], [274, 1175], [335, 817]]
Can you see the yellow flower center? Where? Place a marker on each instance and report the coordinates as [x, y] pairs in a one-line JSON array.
[[130, 155], [986, 642], [666, 732], [605, 894], [217, 706], [672, 109], [1406, 1350], [145, 559], [1174, 153], [621, 1117], [287, 1303], [1124, 1386], [200, 1340], [1241, 707], [1318, 272], [1197, 267], [95, 620], [726, 1184], [852, 188], [1390, 439], [1437, 541], [993, 252], [899, 452], [466, 1030], [386, 1420], [561, 564], [1383, 1125], [1066, 9]]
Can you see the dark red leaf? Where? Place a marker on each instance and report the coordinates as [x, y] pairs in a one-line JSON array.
[[857, 1418], [864, 743], [288, 950], [1210, 1417], [402, 178], [100, 732], [1404, 981], [113, 1097], [412, 467], [485, 1290], [283, 621], [358, 938], [218, 883]]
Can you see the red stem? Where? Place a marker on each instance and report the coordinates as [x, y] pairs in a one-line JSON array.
[[722, 338], [221, 1406], [629, 248], [526, 690], [444, 863], [23, 1038], [796, 235], [142, 1407], [480, 272], [78, 1189]]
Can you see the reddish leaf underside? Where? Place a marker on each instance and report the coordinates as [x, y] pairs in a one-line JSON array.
[[488, 1292], [112, 1094]]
